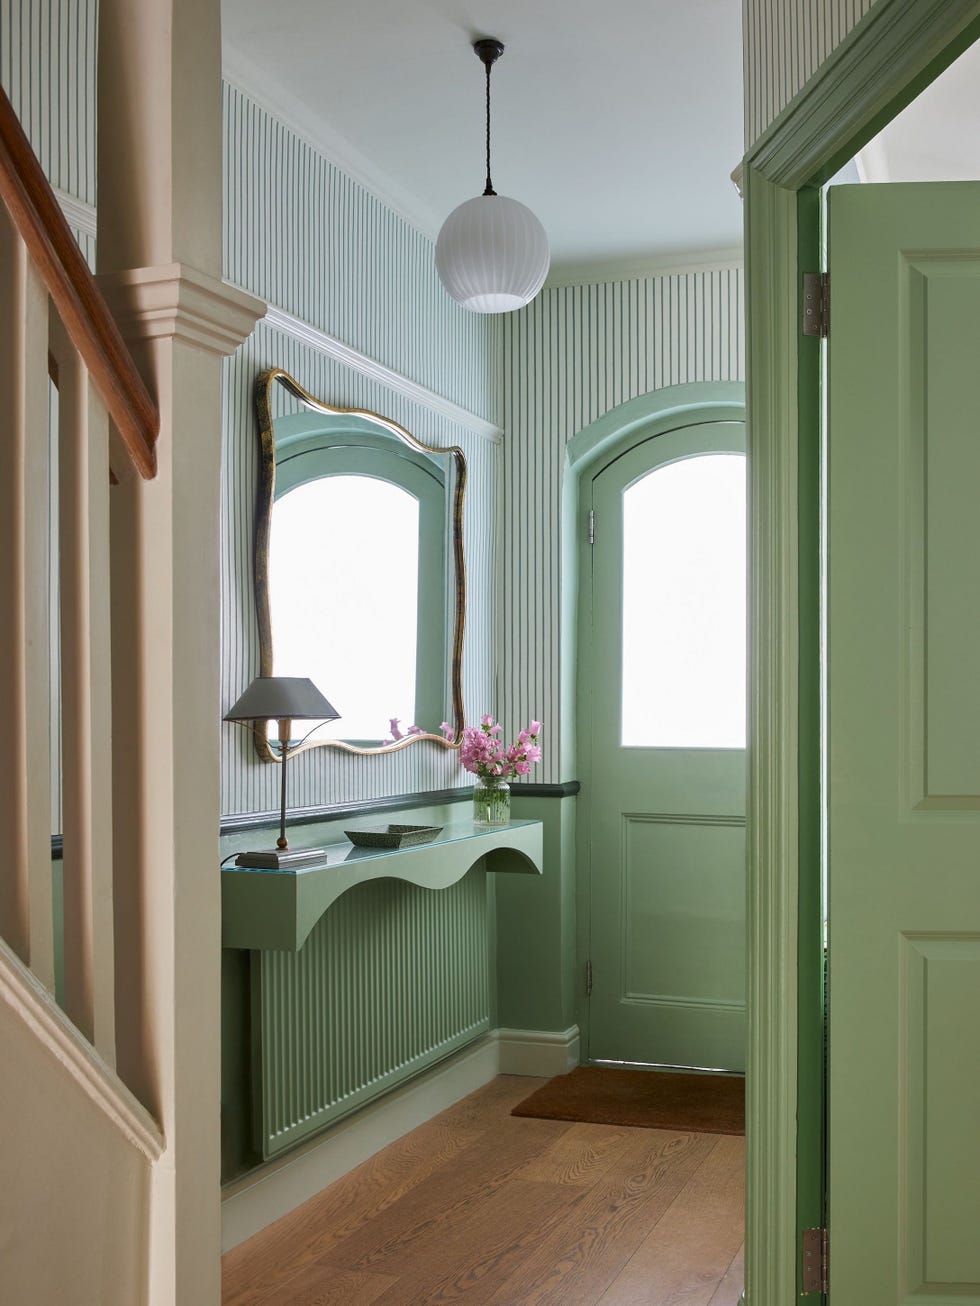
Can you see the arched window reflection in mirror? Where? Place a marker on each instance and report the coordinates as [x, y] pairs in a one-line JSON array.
[[359, 572], [362, 523], [684, 618]]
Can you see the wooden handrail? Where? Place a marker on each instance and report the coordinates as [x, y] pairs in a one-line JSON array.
[[80, 303]]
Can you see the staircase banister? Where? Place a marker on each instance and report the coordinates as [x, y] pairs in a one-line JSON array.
[[36, 213]]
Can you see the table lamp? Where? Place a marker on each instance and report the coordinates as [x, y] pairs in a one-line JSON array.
[[284, 699]]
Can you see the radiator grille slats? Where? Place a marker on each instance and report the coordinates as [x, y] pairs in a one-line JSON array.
[[392, 979]]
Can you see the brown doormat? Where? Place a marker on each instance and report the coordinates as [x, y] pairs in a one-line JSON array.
[[650, 1099]]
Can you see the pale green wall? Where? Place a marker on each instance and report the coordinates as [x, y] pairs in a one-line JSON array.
[[537, 982]]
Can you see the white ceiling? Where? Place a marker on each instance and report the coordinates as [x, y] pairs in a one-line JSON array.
[[617, 123]]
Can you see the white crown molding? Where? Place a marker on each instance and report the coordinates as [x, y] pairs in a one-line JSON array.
[[30, 1002], [79, 215], [240, 71], [181, 302], [655, 265], [347, 356]]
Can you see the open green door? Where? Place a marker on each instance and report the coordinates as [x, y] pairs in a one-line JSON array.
[[904, 741]]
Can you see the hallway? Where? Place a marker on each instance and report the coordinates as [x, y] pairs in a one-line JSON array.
[[480, 1206]]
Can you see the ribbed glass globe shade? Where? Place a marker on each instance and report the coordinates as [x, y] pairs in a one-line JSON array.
[[492, 254]]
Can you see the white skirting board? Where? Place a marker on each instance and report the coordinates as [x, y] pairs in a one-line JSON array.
[[252, 1203]]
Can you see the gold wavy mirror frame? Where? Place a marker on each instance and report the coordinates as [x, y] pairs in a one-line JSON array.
[[265, 389]]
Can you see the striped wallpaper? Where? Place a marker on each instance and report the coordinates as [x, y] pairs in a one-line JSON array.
[[573, 354], [303, 236], [47, 67], [783, 43]]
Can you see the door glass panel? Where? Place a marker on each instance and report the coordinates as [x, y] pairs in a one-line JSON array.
[[684, 605], [339, 566]]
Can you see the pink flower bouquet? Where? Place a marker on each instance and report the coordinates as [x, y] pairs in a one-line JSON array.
[[482, 752]]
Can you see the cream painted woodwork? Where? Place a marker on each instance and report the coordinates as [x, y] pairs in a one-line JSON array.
[[159, 187], [74, 1184], [86, 712], [25, 876], [904, 764]]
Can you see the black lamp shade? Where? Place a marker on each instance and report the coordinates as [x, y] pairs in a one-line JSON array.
[[295, 698]]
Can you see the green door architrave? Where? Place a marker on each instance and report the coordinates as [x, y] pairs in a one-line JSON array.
[[897, 49]]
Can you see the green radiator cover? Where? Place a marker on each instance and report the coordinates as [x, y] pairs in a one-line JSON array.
[[392, 979]]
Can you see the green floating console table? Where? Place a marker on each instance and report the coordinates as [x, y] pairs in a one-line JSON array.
[[278, 909]]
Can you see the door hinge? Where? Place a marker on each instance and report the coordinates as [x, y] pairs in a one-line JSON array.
[[588, 979], [592, 526], [816, 304], [816, 1261]]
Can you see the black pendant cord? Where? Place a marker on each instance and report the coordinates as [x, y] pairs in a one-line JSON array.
[[489, 190], [488, 51]]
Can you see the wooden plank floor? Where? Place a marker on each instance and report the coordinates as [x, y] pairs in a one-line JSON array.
[[478, 1206]]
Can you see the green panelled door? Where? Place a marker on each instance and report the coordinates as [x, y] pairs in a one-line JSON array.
[[662, 712], [904, 745]]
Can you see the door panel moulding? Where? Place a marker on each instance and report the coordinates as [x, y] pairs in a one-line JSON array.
[[643, 417], [885, 61]]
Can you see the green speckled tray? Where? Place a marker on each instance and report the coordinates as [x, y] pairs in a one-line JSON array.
[[393, 836]]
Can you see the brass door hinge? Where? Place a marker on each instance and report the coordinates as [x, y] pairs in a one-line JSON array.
[[816, 1261], [816, 304]]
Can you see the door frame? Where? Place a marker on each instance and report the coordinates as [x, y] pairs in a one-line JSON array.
[[590, 449], [888, 58]]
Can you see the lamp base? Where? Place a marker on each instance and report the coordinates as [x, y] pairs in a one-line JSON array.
[[280, 859]]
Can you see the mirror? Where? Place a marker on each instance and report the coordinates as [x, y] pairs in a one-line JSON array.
[[358, 563]]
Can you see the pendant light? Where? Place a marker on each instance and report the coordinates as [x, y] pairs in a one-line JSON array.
[[492, 252]]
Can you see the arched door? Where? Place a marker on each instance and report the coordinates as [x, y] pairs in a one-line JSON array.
[[662, 745]]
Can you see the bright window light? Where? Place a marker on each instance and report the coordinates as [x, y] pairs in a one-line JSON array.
[[684, 605], [344, 597]]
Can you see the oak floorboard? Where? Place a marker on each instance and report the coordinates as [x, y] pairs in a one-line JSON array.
[[576, 1263], [580, 1156], [428, 1215], [730, 1289], [251, 1271], [688, 1253], [478, 1207], [473, 1264], [491, 1105], [313, 1287]]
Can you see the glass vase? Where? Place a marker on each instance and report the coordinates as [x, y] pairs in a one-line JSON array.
[[491, 803]]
